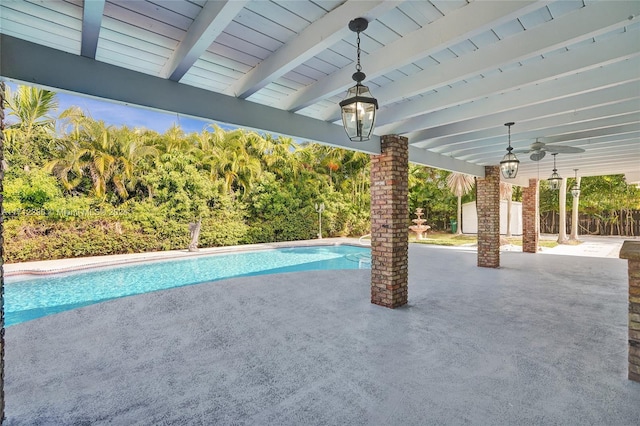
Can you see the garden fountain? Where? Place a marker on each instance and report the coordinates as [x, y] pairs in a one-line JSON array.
[[419, 228]]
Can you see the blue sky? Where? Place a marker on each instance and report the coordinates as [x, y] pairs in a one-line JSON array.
[[121, 115]]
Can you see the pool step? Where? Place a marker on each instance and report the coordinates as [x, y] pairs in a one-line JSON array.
[[360, 258]]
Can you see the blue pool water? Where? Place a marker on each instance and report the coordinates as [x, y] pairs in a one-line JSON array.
[[36, 297]]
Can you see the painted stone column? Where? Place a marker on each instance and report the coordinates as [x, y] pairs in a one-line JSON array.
[[488, 205], [530, 231], [631, 251], [562, 209], [389, 222], [1, 254], [575, 219]]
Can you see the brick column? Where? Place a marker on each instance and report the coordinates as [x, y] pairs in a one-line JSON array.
[[1, 255], [389, 222], [488, 205], [631, 251], [530, 231]]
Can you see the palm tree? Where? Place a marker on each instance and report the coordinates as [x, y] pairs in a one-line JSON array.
[[106, 155], [130, 149], [356, 167], [460, 184], [173, 140], [506, 193], [67, 164], [231, 157], [279, 157], [33, 128], [205, 148]]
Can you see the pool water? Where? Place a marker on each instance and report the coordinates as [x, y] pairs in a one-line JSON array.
[[27, 299]]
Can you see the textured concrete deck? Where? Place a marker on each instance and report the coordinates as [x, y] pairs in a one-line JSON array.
[[541, 340]]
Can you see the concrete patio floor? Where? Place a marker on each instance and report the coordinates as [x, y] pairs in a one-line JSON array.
[[542, 340]]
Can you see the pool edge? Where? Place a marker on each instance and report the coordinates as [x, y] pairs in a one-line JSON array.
[[58, 266]]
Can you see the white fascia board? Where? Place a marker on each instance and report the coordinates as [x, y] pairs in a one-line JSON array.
[[39, 65]]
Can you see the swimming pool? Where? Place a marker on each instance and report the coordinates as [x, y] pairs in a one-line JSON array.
[[27, 299]]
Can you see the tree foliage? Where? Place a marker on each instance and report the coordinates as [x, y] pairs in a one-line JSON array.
[[76, 186]]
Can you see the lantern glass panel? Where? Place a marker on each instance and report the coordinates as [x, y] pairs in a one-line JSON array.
[[359, 113], [554, 181], [509, 166]]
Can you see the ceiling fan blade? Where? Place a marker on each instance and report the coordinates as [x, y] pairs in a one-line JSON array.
[[538, 155], [522, 151], [563, 149]]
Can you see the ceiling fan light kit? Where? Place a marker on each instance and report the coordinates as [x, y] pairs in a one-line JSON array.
[[539, 149], [509, 164]]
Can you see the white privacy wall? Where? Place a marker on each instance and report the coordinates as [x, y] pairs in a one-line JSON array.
[[470, 218]]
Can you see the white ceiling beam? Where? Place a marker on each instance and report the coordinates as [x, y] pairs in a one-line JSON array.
[[459, 25], [624, 146], [210, 22], [623, 125], [431, 159], [591, 169], [92, 11], [518, 100], [599, 114], [35, 64], [567, 164], [611, 50], [317, 37], [571, 133], [564, 162], [563, 110], [608, 141], [590, 21], [594, 133]]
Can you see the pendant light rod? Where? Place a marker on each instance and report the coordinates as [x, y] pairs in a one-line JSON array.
[[358, 25], [509, 124]]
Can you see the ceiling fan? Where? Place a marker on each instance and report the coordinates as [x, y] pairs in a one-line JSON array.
[[539, 149]]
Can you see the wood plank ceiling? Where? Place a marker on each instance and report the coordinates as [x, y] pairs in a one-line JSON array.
[[447, 73]]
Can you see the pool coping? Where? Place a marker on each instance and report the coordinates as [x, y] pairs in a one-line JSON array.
[[50, 267]]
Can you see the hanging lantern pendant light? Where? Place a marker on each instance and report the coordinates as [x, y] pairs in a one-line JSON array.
[[359, 107], [554, 180], [509, 164], [575, 188]]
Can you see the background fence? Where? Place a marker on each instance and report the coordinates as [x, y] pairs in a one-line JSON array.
[[619, 222]]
